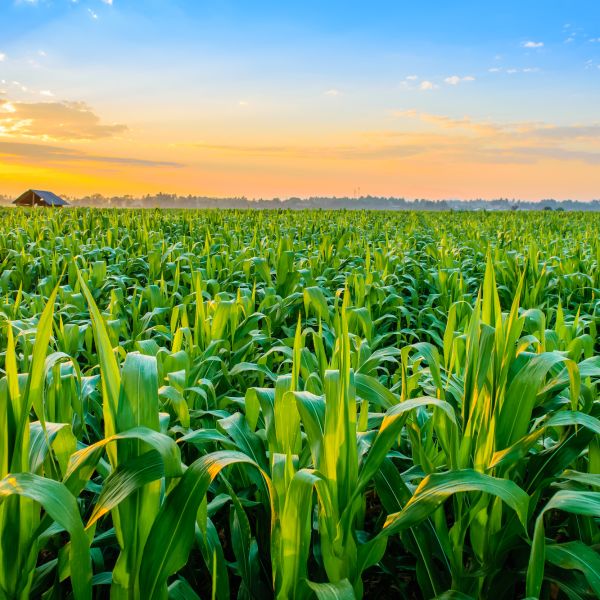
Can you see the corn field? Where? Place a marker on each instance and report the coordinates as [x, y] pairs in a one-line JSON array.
[[299, 405]]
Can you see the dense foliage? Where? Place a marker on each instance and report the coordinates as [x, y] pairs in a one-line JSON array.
[[224, 404]]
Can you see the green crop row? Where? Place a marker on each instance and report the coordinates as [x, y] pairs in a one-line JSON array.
[[299, 405]]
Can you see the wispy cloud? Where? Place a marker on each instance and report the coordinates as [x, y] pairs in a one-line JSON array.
[[531, 44], [426, 86], [455, 79], [42, 153], [486, 141], [409, 82], [513, 70], [451, 140], [351, 151], [446, 122], [332, 92]]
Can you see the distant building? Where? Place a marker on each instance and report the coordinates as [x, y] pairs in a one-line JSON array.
[[40, 198]]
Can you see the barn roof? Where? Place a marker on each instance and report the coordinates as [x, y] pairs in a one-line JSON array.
[[49, 198]]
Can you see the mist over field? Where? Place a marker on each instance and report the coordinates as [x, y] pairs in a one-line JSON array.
[[325, 203]]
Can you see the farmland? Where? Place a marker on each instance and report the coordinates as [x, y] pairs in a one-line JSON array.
[[218, 404]]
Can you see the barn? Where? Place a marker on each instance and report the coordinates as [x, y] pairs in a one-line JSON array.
[[40, 198]]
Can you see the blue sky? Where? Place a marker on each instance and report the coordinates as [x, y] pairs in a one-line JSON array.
[[246, 88]]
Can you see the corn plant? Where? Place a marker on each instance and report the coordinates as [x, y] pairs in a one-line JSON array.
[[216, 404]]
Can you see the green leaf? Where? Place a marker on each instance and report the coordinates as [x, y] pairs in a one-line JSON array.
[[389, 430], [574, 502], [576, 555], [342, 590], [315, 299], [182, 590], [436, 488], [62, 507], [41, 441], [109, 369], [515, 413], [128, 477], [172, 534], [83, 462], [295, 536]]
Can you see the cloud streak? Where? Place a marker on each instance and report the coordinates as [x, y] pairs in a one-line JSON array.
[[42, 153], [518, 142], [446, 139]]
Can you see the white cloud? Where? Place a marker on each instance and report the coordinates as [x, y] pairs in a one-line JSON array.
[[2, 56], [512, 70], [595, 40], [408, 81], [455, 79], [92, 14], [531, 44], [109, 2], [427, 85], [242, 103], [46, 93], [332, 92]]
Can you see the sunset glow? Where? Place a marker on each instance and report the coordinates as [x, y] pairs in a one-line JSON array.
[[265, 99]]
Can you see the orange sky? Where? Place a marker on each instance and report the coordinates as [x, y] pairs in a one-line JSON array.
[[420, 155], [417, 155]]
